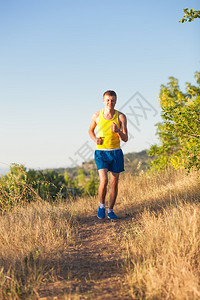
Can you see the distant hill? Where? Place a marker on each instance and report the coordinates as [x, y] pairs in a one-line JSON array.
[[134, 163], [137, 161]]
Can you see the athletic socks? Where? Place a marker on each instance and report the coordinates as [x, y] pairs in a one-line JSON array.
[[102, 205]]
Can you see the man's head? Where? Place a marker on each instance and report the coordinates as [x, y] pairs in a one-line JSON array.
[[110, 98], [110, 93]]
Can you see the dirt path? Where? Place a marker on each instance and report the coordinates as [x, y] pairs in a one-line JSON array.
[[92, 269]]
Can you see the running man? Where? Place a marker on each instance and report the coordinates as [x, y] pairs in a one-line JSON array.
[[111, 128]]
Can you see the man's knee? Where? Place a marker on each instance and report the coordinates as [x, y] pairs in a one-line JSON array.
[[104, 181], [114, 183]]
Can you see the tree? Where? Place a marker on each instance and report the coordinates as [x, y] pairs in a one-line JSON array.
[[91, 186], [190, 15], [81, 177], [14, 188], [179, 133]]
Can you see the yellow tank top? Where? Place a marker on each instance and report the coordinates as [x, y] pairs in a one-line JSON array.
[[110, 139]]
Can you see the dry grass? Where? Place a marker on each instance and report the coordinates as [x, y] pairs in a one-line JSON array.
[[83, 205], [32, 240], [163, 237], [157, 191], [159, 234]]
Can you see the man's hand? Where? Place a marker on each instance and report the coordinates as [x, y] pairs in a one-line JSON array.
[[100, 140], [114, 127]]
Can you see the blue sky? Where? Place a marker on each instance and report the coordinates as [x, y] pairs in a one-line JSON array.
[[58, 57]]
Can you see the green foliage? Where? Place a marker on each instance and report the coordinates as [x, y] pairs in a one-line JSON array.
[[52, 185], [91, 186], [87, 182], [67, 179], [19, 186], [179, 133], [190, 15], [48, 185], [14, 188], [81, 177]]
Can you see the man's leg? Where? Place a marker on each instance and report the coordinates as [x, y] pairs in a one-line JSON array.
[[114, 179], [103, 175]]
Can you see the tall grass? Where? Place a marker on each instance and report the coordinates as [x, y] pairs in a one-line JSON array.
[[162, 240], [158, 233], [32, 241]]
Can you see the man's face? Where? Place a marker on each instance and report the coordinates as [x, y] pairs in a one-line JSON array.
[[109, 101]]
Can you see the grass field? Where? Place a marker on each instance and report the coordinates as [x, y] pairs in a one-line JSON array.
[[162, 240], [157, 238]]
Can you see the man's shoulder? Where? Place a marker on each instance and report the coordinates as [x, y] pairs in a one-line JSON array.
[[121, 115], [96, 115]]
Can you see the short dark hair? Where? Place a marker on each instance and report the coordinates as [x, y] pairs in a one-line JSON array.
[[110, 93]]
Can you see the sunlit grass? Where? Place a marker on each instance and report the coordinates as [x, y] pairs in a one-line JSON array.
[[158, 235], [162, 240], [32, 240]]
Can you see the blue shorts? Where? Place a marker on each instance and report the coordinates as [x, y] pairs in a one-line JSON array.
[[112, 160]]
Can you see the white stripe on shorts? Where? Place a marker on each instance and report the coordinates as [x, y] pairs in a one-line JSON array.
[[108, 149]]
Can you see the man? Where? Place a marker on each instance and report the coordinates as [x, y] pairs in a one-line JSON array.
[[111, 128]]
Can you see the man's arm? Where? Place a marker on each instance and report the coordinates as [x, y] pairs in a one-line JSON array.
[[93, 124], [123, 131]]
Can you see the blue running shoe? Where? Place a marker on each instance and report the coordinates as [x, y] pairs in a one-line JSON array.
[[101, 213], [112, 215]]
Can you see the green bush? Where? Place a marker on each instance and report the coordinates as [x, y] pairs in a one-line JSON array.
[[19, 186]]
